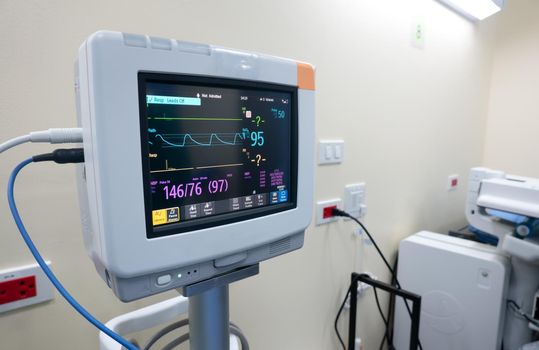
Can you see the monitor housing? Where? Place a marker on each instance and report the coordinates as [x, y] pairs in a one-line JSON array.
[[198, 159]]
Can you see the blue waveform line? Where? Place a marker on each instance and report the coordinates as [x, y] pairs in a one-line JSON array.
[[212, 136]]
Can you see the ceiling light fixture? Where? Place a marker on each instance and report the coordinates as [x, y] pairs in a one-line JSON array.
[[475, 10]]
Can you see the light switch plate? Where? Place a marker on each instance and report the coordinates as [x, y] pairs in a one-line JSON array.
[[330, 151]]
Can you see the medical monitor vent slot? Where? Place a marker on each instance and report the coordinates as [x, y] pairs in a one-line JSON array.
[[280, 246]]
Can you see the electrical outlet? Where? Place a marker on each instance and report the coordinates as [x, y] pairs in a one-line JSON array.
[[453, 182], [323, 211], [17, 289], [23, 286]]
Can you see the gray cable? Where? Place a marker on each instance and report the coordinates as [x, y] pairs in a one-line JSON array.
[[176, 342], [14, 142], [233, 329], [164, 332], [518, 310], [238, 333], [54, 135]]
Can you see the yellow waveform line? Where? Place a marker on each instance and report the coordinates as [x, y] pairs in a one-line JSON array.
[[195, 118]]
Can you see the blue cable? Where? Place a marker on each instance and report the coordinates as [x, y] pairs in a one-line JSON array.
[[45, 267]]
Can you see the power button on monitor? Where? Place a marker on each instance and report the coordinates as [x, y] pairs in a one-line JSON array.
[[164, 279]]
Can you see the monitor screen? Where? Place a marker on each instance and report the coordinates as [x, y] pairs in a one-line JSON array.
[[215, 151]]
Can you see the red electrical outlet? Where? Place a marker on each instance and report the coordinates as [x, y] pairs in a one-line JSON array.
[[324, 211], [328, 212], [17, 289]]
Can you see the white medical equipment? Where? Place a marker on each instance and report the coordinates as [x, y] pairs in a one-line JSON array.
[[492, 196], [199, 159], [197, 164], [463, 286], [489, 189]]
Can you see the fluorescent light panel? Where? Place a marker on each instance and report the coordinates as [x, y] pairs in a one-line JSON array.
[[475, 9]]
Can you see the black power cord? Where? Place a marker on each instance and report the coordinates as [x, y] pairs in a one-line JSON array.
[[342, 213], [61, 156], [391, 309], [338, 316], [518, 309]]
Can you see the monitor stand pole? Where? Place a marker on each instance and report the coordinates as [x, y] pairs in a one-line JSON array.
[[208, 309]]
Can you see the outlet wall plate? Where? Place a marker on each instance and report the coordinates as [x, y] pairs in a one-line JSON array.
[[354, 200], [453, 182], [41, 290], [320, 205]]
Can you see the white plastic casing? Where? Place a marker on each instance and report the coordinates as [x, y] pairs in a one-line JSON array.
[[113, 214], [463, 286], [492, 189]]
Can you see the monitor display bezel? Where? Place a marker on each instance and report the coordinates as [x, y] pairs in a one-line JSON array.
[[225, 218]]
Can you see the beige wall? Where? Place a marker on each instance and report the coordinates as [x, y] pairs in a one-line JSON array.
[[409, 118], [512, 136]]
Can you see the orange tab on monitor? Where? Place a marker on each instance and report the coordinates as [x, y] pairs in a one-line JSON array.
[[305, 76]]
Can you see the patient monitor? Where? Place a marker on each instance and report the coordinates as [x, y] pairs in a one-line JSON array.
[[198, 159]]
